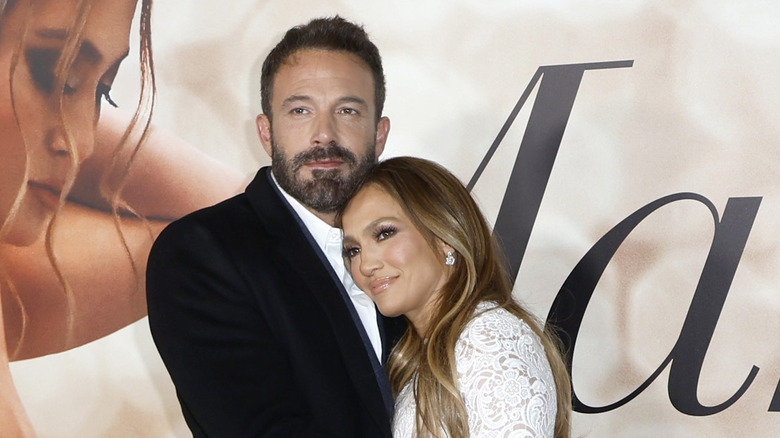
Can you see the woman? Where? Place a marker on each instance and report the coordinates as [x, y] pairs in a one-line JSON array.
[[76, 219], [474, 362]]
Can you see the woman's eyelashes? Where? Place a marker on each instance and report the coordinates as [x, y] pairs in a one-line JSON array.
[[103, 91], [349, 252], [381, 233], [384, 232], [42, 64]]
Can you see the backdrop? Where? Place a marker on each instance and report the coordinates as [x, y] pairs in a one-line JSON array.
[[640, 212]]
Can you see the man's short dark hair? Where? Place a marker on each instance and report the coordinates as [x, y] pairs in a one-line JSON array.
[[334, 33]]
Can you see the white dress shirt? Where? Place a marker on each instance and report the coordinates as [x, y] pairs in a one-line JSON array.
[[329, 240]]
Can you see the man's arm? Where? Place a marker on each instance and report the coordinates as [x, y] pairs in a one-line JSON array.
[[232, 376]]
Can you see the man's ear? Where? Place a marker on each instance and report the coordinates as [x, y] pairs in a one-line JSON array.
[[382, 129], [264, 132]]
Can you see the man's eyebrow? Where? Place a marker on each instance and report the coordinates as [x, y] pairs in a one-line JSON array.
[[296, 98], [353, 99], [88, 51], [306, 98]]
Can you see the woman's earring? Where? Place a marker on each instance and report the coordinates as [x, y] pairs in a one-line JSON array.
[[450, 260]]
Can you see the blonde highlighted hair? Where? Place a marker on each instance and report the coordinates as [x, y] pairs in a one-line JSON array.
[[443, 210]]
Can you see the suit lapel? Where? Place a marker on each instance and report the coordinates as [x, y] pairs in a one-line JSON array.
[[300, 251]]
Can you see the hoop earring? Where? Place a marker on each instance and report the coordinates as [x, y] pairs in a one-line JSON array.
[[450, 260]]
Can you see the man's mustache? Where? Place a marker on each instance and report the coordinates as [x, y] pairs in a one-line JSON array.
[[327, 152]]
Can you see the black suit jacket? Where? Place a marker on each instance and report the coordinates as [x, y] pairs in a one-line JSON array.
[[253, 329]]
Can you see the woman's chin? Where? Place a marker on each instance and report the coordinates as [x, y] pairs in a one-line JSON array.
[[388, 312]]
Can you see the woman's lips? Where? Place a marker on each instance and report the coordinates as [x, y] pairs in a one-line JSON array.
[[46, 193], [381, 284]]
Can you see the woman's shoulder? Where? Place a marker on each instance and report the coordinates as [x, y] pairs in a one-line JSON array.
[[492, 322], [504, 376]]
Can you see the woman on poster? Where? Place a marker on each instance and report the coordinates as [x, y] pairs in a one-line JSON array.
[[84, 187]]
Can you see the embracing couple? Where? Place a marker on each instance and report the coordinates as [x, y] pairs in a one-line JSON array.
[[341, 297]]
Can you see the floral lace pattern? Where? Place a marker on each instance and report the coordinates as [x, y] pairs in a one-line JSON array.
[[504, 377]]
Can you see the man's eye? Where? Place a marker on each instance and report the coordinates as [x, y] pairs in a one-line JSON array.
[[299, 111], [349, 111]]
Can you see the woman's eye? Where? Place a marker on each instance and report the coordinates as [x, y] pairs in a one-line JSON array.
[[349, 253], [385, 233], [41, 63]]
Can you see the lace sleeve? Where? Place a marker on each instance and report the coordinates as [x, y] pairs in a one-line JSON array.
[[505, 378]]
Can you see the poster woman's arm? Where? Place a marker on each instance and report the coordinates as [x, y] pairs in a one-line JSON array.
[[106, 292], [13, 418], [167, 179]]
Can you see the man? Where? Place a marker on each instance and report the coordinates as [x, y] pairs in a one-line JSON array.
[[251, 308]]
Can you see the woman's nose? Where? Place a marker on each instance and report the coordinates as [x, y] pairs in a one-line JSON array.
[[76, 138], [58, 142], [369, 263]]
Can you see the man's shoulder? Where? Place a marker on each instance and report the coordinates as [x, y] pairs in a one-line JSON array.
[[224, 214], [233, 207], [205, 227], [232, 213]]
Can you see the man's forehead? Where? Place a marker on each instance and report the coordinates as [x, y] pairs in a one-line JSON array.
[[322, 58], [308, 72]]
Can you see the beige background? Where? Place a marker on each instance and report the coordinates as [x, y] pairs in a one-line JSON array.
[[697, 112]]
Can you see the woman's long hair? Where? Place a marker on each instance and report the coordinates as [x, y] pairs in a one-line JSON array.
[[443, 210], [114, 176]]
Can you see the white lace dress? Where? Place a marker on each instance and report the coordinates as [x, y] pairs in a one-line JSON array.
[[504, 377]]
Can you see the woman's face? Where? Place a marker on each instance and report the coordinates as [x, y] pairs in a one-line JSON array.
[[32, 137], [390, 259]]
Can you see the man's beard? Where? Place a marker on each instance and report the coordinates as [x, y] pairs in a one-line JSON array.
[[328, 190]]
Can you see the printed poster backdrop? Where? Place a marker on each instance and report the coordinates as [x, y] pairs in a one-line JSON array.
[[641, 208]]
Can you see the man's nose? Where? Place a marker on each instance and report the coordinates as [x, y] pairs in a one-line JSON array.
[[324, 130]]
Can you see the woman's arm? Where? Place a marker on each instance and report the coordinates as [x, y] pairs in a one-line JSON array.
[[106, 292], [167, 179], [13, 418], [505, 379]]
